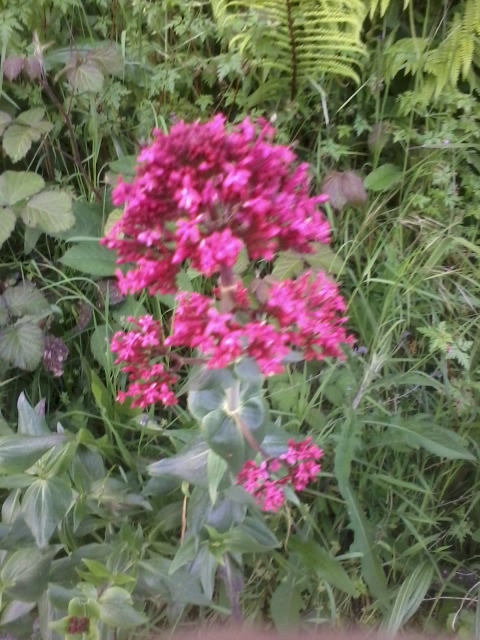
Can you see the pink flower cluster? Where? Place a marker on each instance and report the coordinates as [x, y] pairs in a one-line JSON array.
[[304, 315], [301, 465], [201, 193]]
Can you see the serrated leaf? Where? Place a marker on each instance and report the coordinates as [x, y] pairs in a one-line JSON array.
[[288, 265], [324, 259], [33, 67], [383, 178], [18, 139], [8, 221], [5, 120], [44, 506], [91, 258], [25, 574], [13, 66], [88, 222], [86, 78], [49, 211], [25, 299], [32, 117], [19, 185], [21, 345], [109, 59]]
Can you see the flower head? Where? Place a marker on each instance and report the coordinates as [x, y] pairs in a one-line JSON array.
[[201, 193]]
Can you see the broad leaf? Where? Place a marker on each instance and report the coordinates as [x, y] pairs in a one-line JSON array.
[[86, 78], [19, 185], [189, 465], [91, 258], [285, 605], [25, 574], [288, 265], [109, 59], [18, 139], [22, 344], [44, 506], [25, 300], [116, 609], [383, 178], [19, 452], [35, 118], [49, 211], [7, 224], [5, 120]]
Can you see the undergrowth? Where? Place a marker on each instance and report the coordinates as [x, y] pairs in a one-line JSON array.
[[389, 533]]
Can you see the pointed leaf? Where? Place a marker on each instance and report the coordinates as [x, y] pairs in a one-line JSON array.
[[25, 300], [109, 59], [44, 506], [91, 258], [410, 597], [25, 574], [8, 221], [189, 465], [19, 452], [383, 178], [30, 421], [285, 605], [21, 345], [19, 185], [327, 568], [50, 211], [31, 118]]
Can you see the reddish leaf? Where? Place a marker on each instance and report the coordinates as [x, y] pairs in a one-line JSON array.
[[33, 68], [12, 67], [344, 188]]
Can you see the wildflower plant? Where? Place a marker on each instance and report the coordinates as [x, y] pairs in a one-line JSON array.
[[204, 195]]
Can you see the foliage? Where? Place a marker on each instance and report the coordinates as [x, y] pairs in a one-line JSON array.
[[114, 507]]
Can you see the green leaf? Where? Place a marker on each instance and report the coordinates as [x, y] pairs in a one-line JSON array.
[[116, 609], [44, 506], [29, 127], [15, 610], [91, 258], [185, 554], [383, 178], [109, 59], [100, 345], [18, 452], [285, 605], [372, 570], [201, 403], [21, 345], [8, 221], [30, 239], [216, 468], [324, 259], [5, 120], [190, 465], [409, 598], [30, 422], [437, 440], [86, 78], [327, 568], [19, 185], [26, 300], [25, 574], [288, 265], [49, 211]]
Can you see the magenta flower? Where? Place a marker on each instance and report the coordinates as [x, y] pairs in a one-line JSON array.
[[201, 193], [300, 463]]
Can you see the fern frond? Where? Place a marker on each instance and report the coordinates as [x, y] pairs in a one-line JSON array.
[[302, 38]]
